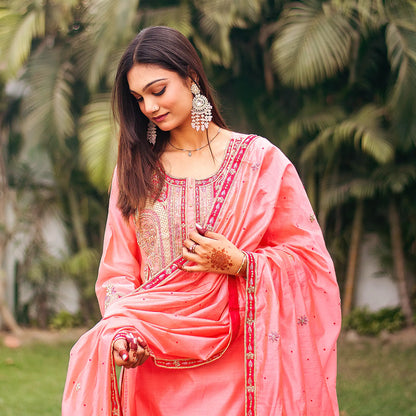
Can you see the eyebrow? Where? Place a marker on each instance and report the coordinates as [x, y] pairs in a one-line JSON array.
[[149, 84]]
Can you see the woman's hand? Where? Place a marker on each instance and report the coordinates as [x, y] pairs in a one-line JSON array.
[[212, 252], [129, 352]]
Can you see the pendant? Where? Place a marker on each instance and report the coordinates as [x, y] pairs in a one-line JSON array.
[[189, 153]]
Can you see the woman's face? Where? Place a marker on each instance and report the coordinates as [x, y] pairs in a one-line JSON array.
[[163, 96]]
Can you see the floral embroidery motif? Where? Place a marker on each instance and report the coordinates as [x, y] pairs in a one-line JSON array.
[[110, 296], [312, 218], [255, 166], [77, 387], [274, 337], [303, 320]]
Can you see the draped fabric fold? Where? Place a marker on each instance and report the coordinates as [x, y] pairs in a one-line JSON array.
[[289, 307]]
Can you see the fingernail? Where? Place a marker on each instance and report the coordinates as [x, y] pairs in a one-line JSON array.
[[142, 343], [124, 355], [201, 230]]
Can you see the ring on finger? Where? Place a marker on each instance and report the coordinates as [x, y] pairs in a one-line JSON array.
[[192, 248]]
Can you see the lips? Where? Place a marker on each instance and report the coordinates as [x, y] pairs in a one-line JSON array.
[[158, 119]]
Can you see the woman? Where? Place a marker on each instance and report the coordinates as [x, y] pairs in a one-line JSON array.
[[217, 292]]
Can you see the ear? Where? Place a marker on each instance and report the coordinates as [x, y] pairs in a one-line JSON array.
[[192, 77]]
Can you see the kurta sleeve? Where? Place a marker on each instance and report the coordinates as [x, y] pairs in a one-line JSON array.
[[119, 271]]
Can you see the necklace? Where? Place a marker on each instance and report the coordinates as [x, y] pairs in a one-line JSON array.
[[190, 151]]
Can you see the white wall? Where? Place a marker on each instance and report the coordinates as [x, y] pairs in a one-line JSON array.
[[375, 288]]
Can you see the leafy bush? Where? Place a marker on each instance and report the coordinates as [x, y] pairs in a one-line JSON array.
[[372, 323], [65, 319]]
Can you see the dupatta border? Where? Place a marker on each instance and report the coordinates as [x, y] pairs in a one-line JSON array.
[[228, 181], [250, 337], [115, 404]]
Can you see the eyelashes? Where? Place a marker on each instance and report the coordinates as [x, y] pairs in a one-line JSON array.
[[158, 93]]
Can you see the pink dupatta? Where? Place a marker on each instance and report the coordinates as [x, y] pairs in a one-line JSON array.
[[292, 311]]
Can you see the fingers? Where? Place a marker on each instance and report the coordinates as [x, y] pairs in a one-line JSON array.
[[141, 356], [212, 252], [200, 244], [205, 237], [120, 351], [130, 352], [200, 229]]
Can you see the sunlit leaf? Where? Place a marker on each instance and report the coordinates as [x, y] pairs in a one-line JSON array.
[[98, 141], [29, 27], [47, 105], [313, 43], [362, 130]]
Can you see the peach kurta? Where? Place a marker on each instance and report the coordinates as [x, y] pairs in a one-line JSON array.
[[219, 345]]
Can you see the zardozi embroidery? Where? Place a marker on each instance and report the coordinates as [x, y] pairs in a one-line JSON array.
[[303, 320], [110, 296], [274, 337]]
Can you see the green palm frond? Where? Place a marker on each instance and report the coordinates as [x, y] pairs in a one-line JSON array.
[[386, 179], [98, 143], [362, 129], [338, 195], [394, 178], [60, 15], [178, 17], [22, 31], [109, 25], [232, 13], [313, 44], [249, 9], [47, 105], [401, 47], [62, 97], [313, 120], [371, 14], [209, 54], [216, 19], [9, 21]]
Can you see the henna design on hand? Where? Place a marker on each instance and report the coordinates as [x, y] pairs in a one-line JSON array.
[[220, 259]]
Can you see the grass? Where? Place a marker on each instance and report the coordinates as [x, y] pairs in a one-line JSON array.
[[32, 379], [375, 379]]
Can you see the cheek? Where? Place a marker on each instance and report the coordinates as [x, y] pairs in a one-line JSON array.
[[180, 100], [141, 107]]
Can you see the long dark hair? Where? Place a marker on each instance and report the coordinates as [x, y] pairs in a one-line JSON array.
[[140, 175]]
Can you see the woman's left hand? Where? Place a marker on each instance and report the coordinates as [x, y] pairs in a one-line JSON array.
[[212, 252]]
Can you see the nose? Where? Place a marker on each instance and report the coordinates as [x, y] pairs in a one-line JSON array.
[[150, 107]]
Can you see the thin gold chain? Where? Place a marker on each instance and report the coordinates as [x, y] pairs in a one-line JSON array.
[[190, 151]]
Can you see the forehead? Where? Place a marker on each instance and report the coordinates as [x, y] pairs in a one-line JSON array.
[[141, 76]]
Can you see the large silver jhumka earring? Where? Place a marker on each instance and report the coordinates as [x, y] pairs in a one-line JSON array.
[[151, 133], [201, 109]]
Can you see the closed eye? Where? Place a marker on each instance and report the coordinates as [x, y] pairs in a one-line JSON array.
[[158, 93], [161, 91]]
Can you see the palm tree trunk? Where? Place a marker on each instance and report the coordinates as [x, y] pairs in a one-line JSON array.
[[399, 261], [357, 227], [80, 236], [6, 315], [266, 31]]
